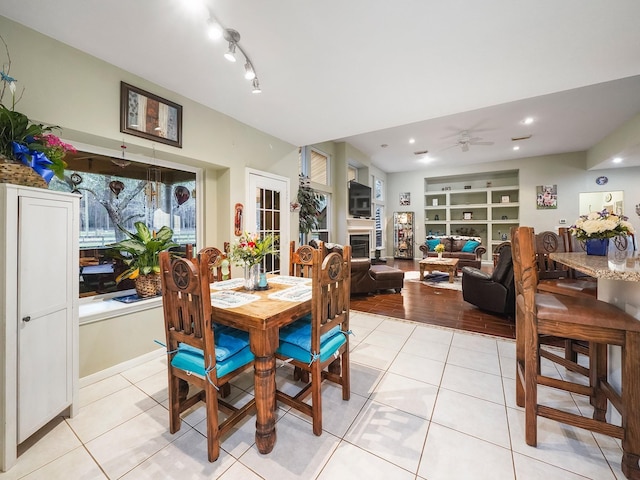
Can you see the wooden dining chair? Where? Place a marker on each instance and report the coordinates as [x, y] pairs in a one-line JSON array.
[[320, 344], [587, 319], [218, 264], [198, 355], [300, 260]]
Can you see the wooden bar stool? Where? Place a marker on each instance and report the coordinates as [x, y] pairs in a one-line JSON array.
[[599, 323]]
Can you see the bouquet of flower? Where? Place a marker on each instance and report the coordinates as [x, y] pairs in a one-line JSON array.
[[600, 225], [439, 248], [250, 249]]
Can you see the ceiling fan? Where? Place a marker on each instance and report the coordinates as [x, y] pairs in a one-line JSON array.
[[465, 140]]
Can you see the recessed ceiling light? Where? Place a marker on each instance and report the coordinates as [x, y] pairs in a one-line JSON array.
[[528, 121], [517, 147], [412, 140], [617, 160], [425, 159]]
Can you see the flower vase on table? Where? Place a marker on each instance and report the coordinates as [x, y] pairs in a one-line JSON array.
[[596, 228], [597, 246], [439, 255], [251, 276]]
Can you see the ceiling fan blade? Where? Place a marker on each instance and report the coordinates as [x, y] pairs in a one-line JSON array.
[[481, 143]]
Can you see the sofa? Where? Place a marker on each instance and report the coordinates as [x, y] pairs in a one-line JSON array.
[[468, 250]]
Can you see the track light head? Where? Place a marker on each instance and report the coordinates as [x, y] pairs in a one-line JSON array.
[[256, 86], [233, 37], [249, 73]]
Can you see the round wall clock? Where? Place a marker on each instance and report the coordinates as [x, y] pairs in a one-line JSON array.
[[602, 180], [607, 197]]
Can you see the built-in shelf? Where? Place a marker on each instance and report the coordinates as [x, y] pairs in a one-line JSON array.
[[483, 205]]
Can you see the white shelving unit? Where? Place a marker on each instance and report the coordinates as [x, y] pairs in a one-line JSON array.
[[483, 205]]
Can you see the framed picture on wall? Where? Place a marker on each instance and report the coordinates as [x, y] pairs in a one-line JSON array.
[[405, 198], [149, 116], [546, 197]]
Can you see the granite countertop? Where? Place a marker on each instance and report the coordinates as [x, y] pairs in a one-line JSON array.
[[616, 266]]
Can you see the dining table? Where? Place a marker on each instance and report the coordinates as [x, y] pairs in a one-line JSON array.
[[618, 279], [262, 313]]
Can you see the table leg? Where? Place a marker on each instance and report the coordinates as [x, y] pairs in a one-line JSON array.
[[631, 398], [421, 272], [452, 271], [263, 346]]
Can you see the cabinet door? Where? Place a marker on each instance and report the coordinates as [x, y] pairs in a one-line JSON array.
[[44, 318]]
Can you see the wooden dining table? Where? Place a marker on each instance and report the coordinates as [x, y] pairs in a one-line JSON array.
[[262, 317]]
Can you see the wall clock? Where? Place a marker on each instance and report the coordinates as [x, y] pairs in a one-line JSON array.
[[602, 180], [607, 197]]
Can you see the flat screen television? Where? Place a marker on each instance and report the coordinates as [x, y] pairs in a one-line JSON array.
[[359, 200]]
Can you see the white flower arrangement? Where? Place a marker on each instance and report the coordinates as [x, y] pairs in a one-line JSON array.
[[600, 225]]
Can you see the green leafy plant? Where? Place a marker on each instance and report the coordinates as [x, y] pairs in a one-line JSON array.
[[309, 202], [140, 251]]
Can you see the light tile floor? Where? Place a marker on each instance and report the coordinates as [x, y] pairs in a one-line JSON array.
[[426, 403]]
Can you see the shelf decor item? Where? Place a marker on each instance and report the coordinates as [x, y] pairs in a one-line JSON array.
[[505, 199], [467, 215], [140, 254], [29, 153], [597, 228]]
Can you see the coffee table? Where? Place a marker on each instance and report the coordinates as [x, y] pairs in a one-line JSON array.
[[449, 265]]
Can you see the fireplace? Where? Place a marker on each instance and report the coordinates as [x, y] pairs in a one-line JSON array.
[[359, 246]]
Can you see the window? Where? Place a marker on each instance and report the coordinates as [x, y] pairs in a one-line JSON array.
[[315, 165], [116, 194]]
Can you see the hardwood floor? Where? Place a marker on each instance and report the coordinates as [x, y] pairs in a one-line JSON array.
[[435, 306]]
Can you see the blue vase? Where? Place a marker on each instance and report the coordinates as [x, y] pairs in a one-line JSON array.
[[598, 246]]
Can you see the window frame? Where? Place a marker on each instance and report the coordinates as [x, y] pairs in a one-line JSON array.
[[324, 189], [100, 307]]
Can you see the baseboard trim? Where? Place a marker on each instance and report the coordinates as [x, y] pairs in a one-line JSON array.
[[121, 367]]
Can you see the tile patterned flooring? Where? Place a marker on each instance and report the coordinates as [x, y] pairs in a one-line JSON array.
[[427, 402]]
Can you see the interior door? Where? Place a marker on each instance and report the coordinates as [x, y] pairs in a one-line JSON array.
[[45, 357], [267, 212]]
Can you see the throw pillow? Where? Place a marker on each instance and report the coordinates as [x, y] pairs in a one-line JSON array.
[[470, 246], [431, 243]]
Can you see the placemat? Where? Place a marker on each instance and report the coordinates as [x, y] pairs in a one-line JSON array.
[[300, 293], [228, 284], [289, 280], [231, 298]]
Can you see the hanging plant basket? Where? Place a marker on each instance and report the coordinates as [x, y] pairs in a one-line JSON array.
[[17, 173]]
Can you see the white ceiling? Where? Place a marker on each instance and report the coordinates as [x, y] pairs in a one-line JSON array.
[[376, 72]]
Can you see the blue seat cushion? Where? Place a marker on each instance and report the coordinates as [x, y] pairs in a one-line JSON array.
[[232, 352], [295, 341]]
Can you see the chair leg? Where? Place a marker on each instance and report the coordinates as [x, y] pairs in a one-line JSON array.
[[175, 385], [531, 365], [630, 398], [519, 357], [346, 375], [597, 375], [316, 397], [213, 443]]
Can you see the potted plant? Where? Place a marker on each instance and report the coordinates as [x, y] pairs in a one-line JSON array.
[[248, 252], [140, 253], [439, 249], [596, 228], [29, 153], [308, 202]]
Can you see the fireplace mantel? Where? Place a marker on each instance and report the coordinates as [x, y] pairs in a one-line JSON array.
[[362, 226]]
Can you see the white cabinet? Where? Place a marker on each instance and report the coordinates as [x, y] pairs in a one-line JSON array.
[[482, 205], [39, 302]]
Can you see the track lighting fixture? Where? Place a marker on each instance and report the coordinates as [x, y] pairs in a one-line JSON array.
[[215, 31]]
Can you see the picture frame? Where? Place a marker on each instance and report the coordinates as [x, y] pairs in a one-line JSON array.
[[149, 116], [467, 215], [505, 199], [405, 198]]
